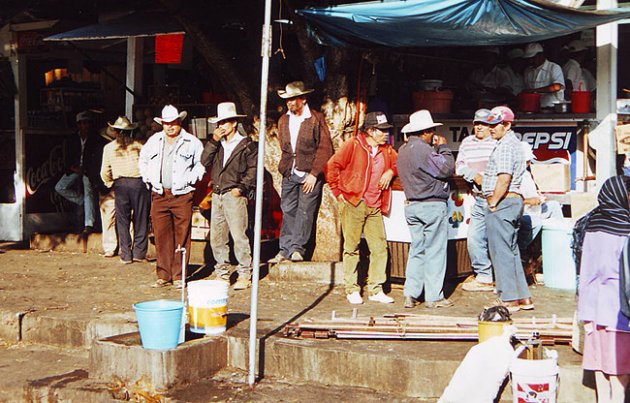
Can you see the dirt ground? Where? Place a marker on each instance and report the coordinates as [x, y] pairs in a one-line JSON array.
[[86, 285]]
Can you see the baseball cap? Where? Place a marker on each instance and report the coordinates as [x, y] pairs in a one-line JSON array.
[[500, 114], [481, 115], [532, 50], [84, 116], [576, 46], [376, 120]]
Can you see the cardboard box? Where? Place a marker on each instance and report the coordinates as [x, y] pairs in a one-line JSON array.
[[582, 203], [555, 178], [622, 133]]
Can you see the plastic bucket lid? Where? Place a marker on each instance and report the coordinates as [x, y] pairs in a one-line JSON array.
[[159, 323]]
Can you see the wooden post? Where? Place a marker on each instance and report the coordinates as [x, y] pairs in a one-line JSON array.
[[135, 52], [607, 39]]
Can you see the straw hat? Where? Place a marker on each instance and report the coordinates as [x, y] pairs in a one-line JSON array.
[[122, 123], [419, 121], [170, 114], [225, 110], [294, 89]]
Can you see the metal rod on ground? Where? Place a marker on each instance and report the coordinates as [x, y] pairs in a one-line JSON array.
[[182, 329], [260, 170]]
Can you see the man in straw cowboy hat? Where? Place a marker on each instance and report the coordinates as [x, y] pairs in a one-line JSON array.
[[170, 163], [424, 164], [132, 199], [306, 147], [501, 186], [359, 175], [233, 158]]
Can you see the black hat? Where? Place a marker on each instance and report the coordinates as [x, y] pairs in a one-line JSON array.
[[376, 120]]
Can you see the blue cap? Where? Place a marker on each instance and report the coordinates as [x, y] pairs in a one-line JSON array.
[[493, 119], [481, 115]]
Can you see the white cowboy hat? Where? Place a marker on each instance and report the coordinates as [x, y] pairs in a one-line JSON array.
[[225, 110], [294, 89], [170, 113], [122, 123], [419, 121]]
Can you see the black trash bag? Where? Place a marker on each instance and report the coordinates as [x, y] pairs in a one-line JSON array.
[[495, 314]]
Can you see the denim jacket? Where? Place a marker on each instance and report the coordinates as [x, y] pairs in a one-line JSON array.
[[187, 167]]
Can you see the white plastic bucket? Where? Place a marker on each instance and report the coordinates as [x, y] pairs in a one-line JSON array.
[[534, 381], [207, 306], [557, 257]]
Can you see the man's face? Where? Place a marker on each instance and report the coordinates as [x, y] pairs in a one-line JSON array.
[[84, 126], [482, 130], [229, 126], [379, 135], [296, 105], [173, 128], [500, 129]]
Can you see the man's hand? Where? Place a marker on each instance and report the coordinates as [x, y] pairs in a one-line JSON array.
[[386, 179], [218, 133], [308, 184], [236, 192], [438, 140], [478, 179]]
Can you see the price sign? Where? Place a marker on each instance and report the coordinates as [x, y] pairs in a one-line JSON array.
[[168, 48]]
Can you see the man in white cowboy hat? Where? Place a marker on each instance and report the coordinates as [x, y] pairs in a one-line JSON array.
[[83, 155], [424, 164], [119, 171], [306, 147], [542, 76], [170, 163], [233, 158]]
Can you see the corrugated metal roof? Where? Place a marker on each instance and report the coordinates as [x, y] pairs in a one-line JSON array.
[[132, 25]]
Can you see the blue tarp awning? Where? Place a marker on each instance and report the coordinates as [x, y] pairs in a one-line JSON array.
[[411, 23]]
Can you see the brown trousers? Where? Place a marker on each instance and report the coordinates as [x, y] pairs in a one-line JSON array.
[[171, 216]]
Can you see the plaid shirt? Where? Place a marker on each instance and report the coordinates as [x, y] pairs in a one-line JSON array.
[[506, 158]]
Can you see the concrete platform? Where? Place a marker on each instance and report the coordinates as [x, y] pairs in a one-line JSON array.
[[122, 358]]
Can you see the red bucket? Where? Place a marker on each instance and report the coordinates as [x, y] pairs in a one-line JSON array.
[[528, 102], [580, 101]]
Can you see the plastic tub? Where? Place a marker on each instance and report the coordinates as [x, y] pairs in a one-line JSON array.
[[159, 323], [434, 101], [557, 256], [529, 102], [580, 101], [207, 306], [534, 381]]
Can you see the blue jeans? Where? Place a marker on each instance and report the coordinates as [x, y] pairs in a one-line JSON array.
[[299, 211], [426, 265], [66, 187], [478, 242], [502, 229]]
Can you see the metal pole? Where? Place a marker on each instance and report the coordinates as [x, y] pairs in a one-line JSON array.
[[260, 169]]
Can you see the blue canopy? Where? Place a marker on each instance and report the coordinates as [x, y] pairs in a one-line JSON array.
[[411, 23]]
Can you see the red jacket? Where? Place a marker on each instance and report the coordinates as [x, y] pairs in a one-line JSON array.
[[348, 171]]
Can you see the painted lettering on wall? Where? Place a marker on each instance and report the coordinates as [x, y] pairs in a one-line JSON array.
[[46, 171]]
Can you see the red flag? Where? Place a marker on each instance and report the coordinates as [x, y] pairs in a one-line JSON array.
[[168, 48]]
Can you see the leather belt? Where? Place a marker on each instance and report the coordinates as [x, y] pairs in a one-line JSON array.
[[512, 194]]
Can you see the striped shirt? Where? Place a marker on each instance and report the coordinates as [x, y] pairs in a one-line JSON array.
[[506, 158], [119, 163], [472, 157]]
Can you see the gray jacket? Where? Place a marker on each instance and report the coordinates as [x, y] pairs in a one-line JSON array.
[[423, 170]]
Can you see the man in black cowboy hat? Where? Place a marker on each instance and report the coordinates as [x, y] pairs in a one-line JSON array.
[[306, 147], [233, 158]]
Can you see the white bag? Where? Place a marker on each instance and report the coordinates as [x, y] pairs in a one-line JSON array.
[[482, 372]]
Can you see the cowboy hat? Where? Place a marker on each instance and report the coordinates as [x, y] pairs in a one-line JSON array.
[[122, 123], [419, 121], [225, 110], [170, 114], [294, 89], [84, 116]]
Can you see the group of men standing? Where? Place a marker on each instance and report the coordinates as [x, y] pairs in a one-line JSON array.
[[359, 174]]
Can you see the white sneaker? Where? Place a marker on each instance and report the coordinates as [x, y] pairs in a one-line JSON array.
[[381, 297], [355, 298]]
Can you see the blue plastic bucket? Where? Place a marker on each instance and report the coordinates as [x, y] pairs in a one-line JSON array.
[[159, 323], [557, 256]]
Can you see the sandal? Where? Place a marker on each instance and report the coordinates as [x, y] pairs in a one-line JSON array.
[[512, 306], [159, 283]]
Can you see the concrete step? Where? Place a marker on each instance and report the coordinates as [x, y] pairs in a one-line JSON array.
[[419, 369], [122, 358]]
